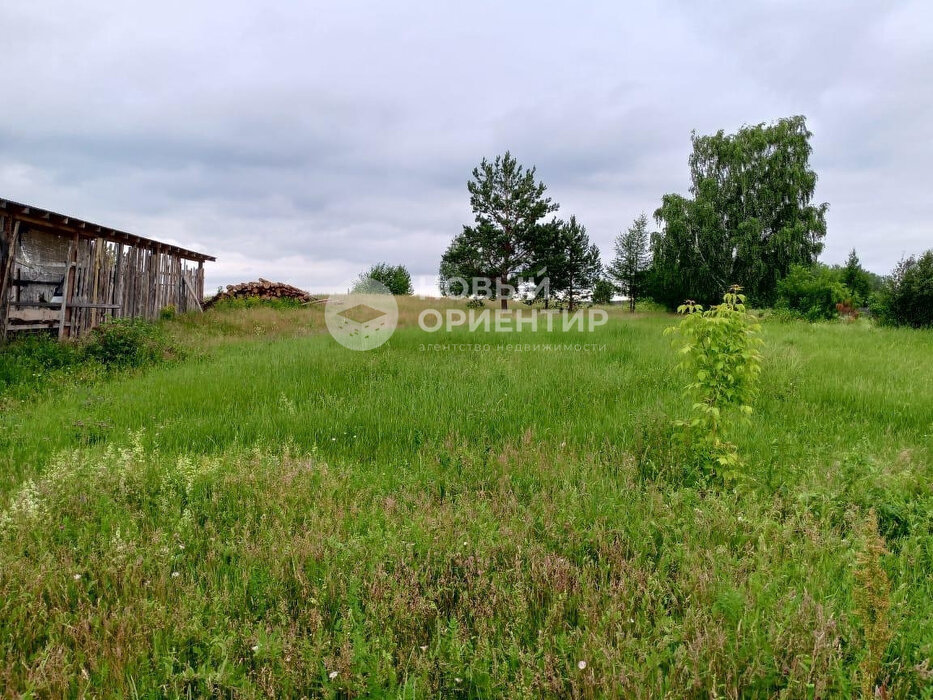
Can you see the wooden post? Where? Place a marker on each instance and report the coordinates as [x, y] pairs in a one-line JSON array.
[[95, 278], [78, 301], [129, 306], [64, 329], [178, 281], [155, 260], [145, 283], [118, 281], [107, 284], [4, 249], [6, 275], [5, 245]]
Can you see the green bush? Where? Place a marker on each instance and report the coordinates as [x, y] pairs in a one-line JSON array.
[[32, 363], [861, 282], [395, 278], [907, 296], [26, 360], [720, 354], [603, 291], [126, 342], [649, 306], [812, 292]]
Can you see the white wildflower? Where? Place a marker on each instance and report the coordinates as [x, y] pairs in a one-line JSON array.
[[332, 675], [581, 665]]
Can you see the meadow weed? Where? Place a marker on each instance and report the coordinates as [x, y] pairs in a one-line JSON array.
[[274, 515]]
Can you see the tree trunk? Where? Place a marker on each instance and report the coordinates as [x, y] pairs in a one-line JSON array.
[[503, 300]]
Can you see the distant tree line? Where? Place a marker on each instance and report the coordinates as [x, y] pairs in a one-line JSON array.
[[749, 220]]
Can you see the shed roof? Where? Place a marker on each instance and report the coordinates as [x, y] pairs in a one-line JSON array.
[[69, 225]]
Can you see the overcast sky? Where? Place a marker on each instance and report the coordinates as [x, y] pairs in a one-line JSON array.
[[303, 141]]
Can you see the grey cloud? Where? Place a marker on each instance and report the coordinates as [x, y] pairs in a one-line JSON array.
[[309, 139]]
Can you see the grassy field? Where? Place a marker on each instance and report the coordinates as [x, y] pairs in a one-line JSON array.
[[277, 515]]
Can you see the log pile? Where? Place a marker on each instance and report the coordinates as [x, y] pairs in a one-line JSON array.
[[262, 289]]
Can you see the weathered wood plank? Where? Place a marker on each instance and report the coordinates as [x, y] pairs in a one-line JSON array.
[[7, 275], [64, 328], [118, 268], [194, 295], [95, 277]]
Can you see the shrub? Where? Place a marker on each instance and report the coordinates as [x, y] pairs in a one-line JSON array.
[[126, 342], [24, 361], [720, 349], [907, 296], [812, 292], [861, 282], [30, 363], [395, 278], [647, 306], [603, 291]]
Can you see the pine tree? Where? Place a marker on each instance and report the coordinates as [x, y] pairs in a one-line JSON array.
[[506, 239], [574, 266], [632, 258], [857, 279]]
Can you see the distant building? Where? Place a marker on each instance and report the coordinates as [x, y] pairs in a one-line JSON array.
[[66, 275]]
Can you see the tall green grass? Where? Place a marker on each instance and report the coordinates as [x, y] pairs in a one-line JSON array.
[[440, 522]]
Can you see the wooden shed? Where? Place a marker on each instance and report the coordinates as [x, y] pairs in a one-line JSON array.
[[66, 275]]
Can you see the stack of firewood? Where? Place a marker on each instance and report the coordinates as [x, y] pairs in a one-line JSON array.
[[262, 289]]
